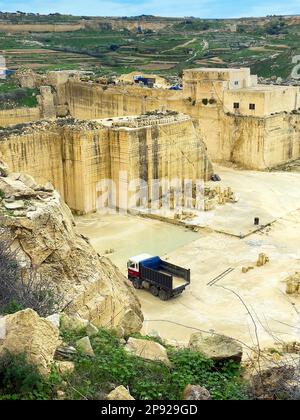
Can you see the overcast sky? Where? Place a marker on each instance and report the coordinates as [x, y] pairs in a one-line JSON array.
[[197, 8]]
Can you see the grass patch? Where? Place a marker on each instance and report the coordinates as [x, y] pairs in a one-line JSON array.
[[148, 380]]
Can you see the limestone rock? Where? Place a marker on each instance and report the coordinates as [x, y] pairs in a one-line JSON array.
[[54, 319], [84, 346], [92, 288], [65, 368], [216, 347], [15, 188], [119, 393], [4, 170], [25, 178], [60, 394], [131, 321], [26, 332], [293, 284], [48, 187], [91, 330], [73, 323], [147, 349], [15, 205], [196, 392], [65, 352]]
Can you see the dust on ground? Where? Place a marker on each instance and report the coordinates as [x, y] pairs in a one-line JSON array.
[[244, 306]]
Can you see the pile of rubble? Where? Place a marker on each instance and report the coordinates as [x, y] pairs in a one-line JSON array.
[[153, 118], [46, 125], [216, 196]]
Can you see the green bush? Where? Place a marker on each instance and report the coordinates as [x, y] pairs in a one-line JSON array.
[[113, 366], [19, 380]]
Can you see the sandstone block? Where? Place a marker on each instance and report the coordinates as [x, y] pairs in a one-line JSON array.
[[216, 347], [147, 349]]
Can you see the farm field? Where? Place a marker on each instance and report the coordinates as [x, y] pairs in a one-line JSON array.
[[267, 45]]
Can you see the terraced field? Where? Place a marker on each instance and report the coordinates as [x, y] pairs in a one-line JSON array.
[[267, 46]]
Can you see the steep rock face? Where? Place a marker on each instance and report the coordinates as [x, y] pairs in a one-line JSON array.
[[130, 154], [26, 332], [43, 232]]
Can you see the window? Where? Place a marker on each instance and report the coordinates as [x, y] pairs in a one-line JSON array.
[[236, 83], [236, 105], [252, 106]]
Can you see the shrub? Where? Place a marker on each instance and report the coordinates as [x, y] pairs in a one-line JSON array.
[[20, 289], [19, 379], [149, 380]]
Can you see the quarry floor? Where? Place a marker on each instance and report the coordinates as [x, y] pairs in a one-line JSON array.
[[239, 305]]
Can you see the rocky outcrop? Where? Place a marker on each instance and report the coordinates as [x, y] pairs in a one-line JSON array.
[[119, 393], [43, 233], [216, 347], [26, 332], [149, 350], [196, 392]]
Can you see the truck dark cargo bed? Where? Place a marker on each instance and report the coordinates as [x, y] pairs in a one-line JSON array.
[[167, 276]]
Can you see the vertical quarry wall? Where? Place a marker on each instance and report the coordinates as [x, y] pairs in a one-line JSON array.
[[255, 142], [78, 158], [19, 116]]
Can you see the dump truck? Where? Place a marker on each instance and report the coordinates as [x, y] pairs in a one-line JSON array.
[[162, 279]]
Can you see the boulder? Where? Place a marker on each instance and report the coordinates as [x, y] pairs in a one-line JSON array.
[[196, 392], [25, 178], [48, 187], [131, 321], [119, 393], [73, 323], [65, 352], [216, 347], [84, 346], [54, 319], [65, 368], [91, 330], [26, 332], [14, 205], [149, 350]]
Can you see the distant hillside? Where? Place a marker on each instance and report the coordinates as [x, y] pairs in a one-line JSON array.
[[112, 45]]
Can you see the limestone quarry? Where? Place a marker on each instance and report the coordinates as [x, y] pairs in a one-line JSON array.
[[98, 173]]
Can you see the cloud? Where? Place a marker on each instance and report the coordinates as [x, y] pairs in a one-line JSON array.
[[199, 8]]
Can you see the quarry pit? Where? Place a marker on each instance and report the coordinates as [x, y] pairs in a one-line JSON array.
[[222, 123], [209, 252]]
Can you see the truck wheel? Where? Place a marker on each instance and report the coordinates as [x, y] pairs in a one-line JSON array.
[[137, 284], [154, 290], [163, 295]]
